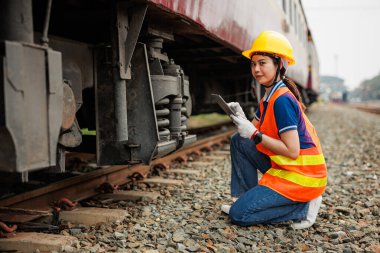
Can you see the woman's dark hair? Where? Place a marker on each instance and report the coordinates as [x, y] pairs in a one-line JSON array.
[[289, 83]]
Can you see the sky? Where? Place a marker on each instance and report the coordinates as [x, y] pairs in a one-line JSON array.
[[347, 37]]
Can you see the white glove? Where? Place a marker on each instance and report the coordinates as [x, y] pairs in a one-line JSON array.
[[244, 126], [236, 108]]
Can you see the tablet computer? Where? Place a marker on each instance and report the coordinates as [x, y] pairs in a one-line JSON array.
[[223, 104]]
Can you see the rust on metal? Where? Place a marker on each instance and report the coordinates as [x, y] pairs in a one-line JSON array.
[[63, 204], [206, 149], [69, 107], [158, 168], [196, 147], [12, 215], [84, 186], [369, 109], [7, 229], [195, 152], [107, 187], [77, 188], [161, 166], [137, 176], [181, 158], [134, 178]]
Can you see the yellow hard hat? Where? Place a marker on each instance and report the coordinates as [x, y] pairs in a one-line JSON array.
[[273, 43]]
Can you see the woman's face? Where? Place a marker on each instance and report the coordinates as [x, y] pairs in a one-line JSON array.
[[263, 69]]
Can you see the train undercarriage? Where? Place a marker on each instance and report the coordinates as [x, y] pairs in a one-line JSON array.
[[114, 78]]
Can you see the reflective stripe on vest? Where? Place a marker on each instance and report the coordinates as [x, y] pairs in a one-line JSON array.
[[301, 160], [298, 178], [301, 179]]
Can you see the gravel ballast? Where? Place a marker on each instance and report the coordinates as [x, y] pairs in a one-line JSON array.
[[187, 218]]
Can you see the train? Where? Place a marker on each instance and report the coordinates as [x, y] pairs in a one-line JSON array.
[[120, 78]]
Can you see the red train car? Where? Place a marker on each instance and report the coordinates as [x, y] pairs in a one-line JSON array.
[[235, 25], [120, 78]]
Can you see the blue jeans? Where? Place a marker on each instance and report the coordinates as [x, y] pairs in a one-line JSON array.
[[257, 204]]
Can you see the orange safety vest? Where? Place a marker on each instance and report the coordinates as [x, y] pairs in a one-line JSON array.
[[302, 179]]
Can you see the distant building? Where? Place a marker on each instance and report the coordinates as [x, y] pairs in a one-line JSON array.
[[333, 89]]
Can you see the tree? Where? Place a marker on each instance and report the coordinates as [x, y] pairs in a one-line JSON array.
[[368, 89]]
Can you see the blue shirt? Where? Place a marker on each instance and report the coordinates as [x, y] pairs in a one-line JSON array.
[[288, 116]]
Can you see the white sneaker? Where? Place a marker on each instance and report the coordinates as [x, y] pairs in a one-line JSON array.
[[311, 216], [226, 209]]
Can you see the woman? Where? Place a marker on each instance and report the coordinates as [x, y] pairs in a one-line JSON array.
[[280, 142]]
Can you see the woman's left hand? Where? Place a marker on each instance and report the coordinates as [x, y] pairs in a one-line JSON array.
[[244, 126]]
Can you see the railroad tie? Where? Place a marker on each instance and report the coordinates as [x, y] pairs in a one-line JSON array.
[[29, 241], [183, 171], [92, 215], [200, 164], [214, 158], [226, 148], [130, 195], [221, 152], [160, 180]]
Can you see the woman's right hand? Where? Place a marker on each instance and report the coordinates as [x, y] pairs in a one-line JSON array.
[[236, 108]]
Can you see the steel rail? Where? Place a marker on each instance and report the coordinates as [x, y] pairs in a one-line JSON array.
[[84, 186], [369, 109]]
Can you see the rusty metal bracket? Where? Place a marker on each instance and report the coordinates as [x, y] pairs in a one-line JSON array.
[[6, 228], [6, 231], [206, 149], [37, 227], [107, 187], [195, 153], [133, 180], [181, 158], [64, 204], [158, 168]]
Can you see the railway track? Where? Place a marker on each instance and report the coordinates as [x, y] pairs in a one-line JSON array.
[[184, 215], [22, 209], [374, 109]]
